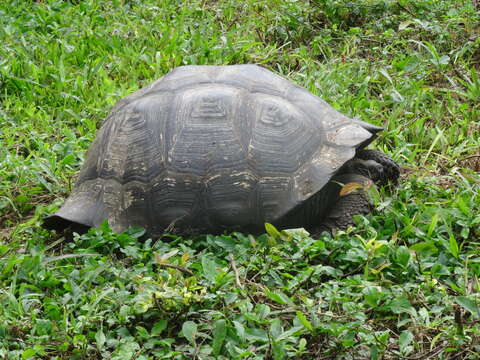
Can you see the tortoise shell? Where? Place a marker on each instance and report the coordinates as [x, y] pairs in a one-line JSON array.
[[211, 148]]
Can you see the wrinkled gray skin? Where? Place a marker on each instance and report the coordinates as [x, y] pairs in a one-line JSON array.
[[216, 148], [369, 166]]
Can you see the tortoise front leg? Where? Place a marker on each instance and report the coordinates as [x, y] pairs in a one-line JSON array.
[[345, 204], [368, 166]]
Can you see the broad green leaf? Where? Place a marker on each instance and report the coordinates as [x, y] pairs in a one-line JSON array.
[[462, 205], [136, 232], [453, 246], [303, 319], [219, 333], [302, 344], [404, 340], [424, 248], [69, 159], [405, 24], [184, 258], [401, 305], [274, 234], [100, 339], [256, 334], [300, 233], [374, 352], [262, 310], [158, 327], [209, 268], [189, 330], [126, 351], [276, 328], [294, 331], [226, 242], [278, 350], [240, 330], [468, 304], [348, 338], [279, 297], [373, 296], [28, 354], [402, 256], [444, 60], [452, 284], [385, 73], [439, 270], [162, 259], [435, 339], [433, 224]]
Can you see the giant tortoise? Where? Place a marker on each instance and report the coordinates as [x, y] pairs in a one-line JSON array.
[[215, 148]]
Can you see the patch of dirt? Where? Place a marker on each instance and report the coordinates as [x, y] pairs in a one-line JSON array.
[[5, 234], [6, 220], [471, 162], [444, 180]]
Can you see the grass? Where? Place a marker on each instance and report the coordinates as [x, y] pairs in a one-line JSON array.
[[402, 284]]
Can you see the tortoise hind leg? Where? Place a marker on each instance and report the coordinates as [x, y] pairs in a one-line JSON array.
[[343, 207]]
